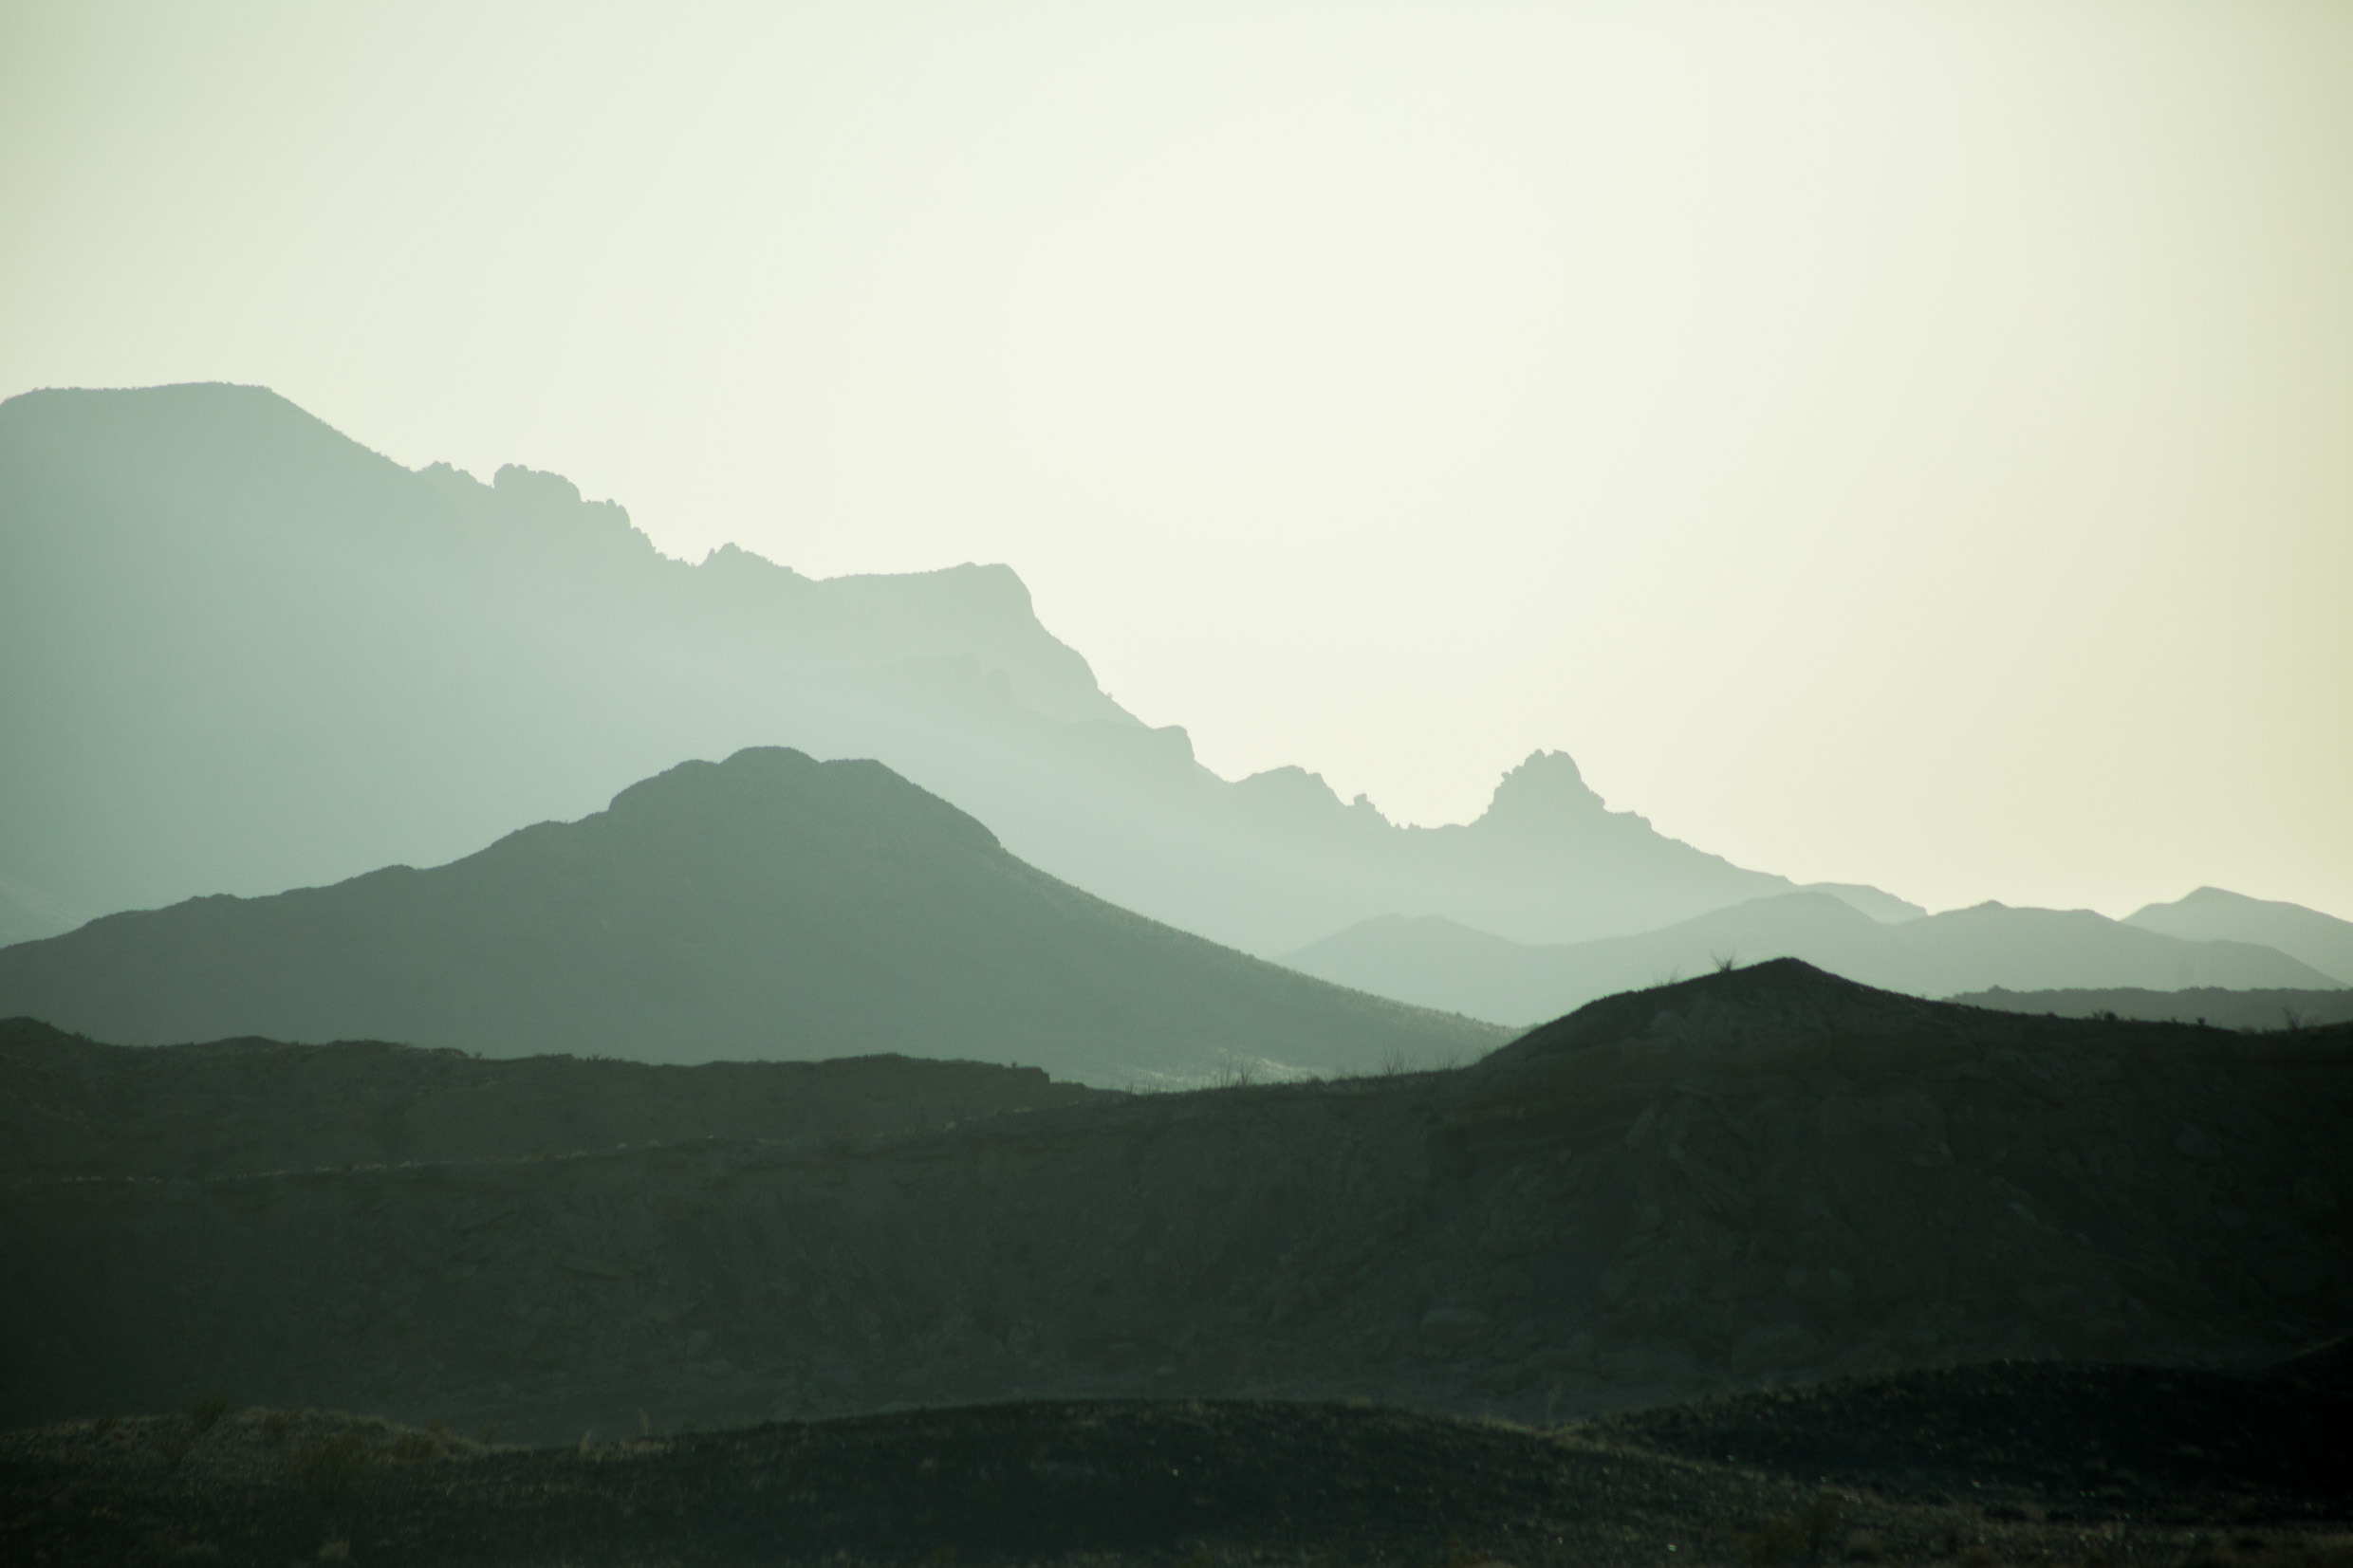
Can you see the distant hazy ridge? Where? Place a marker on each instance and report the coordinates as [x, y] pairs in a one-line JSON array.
[[241, 653], [2214, 1005], [1440, 964], [769, 907]]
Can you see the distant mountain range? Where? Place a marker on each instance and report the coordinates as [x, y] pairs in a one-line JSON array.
[[1437, 963], [2214, 1005], [768, 906], [240, 652], [2211, 915]]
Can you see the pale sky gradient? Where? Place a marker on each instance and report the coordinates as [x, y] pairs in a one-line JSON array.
[[1906, 443]]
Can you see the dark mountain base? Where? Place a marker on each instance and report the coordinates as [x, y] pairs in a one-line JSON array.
[[2004, 1464], [1758, 1178]]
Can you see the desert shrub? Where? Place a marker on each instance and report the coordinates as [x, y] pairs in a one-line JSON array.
[[414, 1447], [1805, 1533], [330, 1465]]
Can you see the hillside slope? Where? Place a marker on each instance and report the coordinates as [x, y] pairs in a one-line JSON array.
[[1436, 963], [768, 906], [1763, 1174]]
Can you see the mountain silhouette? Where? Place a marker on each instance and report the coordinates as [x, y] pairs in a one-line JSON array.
[[2214, 914], [2222, 1007], [767, 907], [1437, 963], [239, 652]]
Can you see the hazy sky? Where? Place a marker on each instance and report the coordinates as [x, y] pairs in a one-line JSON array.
[[1899, 442]]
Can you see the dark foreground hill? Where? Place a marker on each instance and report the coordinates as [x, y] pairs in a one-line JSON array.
[[2013, 1462], [1754, 1176], [767, 907]]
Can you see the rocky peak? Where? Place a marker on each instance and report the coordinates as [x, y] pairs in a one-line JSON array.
[[1546, 791]]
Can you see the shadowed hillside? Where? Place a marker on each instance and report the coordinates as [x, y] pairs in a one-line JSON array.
[[1437, 963], [1764, 1175], [768, 906]]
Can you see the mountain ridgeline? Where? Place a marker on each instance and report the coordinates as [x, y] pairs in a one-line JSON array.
[[2212, 915], [240, 652], [1437, 963], [768, 906]]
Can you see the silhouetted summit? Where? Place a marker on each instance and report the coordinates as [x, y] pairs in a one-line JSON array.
[[769, 906], [1546, 793], [1782, 1000]]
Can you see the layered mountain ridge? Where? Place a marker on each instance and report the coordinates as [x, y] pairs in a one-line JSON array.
[[1437, 963], [239, 652], [769, 907]]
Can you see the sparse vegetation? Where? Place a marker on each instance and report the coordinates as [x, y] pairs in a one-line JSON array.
[[1280, 1484], [1804, 1535], [415, 1448], [329, 1465]]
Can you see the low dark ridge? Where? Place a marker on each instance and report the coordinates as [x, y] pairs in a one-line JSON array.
[[1991, 1465], [2067, 1441], [71, 1107]]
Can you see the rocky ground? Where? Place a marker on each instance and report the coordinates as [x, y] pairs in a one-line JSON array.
[[1738, 1181], [2010, 1462]]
